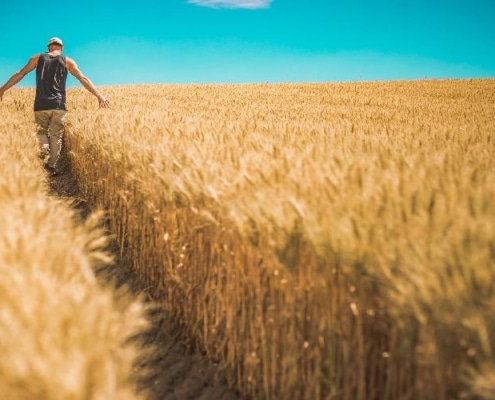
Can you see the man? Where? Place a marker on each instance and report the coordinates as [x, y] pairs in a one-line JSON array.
[[49, 104]]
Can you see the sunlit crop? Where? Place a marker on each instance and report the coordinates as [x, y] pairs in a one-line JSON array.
[[62, 334], [319, 241]]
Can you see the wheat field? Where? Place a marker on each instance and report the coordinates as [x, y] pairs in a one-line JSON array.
[[63, 335], [318, 241]]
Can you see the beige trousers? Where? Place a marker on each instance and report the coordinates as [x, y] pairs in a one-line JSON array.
[[51, 124]]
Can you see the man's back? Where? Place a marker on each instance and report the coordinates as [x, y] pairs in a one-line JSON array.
[[51, 73], [51, 76]]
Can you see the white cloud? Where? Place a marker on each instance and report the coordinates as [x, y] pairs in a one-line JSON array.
[[249, 4]]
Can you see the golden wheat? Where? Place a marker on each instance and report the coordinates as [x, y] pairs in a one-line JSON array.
[[62, 335], [354, 219], [318, 240]]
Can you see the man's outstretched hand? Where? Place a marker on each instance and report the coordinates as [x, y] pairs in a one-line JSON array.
[[103, 102]]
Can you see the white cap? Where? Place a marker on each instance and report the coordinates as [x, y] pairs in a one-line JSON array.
[[55, 40]]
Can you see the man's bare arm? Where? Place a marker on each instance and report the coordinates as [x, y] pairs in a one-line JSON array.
[[17, 77], [86, 82]]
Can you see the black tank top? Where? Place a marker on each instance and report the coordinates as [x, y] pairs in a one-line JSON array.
[[51, 75]]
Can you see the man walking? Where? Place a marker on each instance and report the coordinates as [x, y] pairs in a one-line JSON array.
[[50, 101]]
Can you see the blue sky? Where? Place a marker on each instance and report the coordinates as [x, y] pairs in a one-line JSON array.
[[242, 41]]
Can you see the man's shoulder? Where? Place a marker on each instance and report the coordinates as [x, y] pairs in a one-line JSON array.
[[70, 61], [33, 61]]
